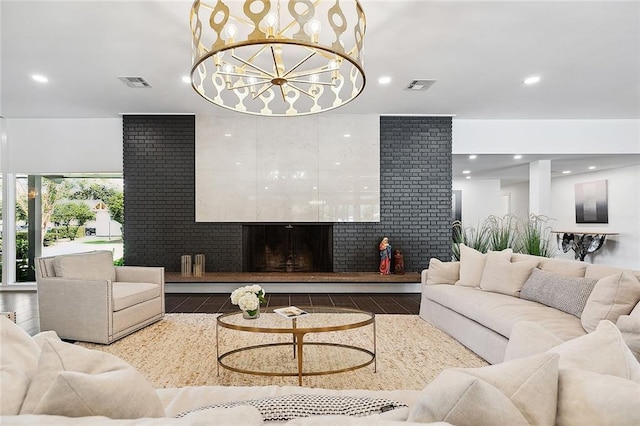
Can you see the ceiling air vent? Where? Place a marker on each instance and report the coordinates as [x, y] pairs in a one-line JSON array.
[[135, 82], [419, 85]]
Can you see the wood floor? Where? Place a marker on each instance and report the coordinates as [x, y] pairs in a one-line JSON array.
[[25, 303]]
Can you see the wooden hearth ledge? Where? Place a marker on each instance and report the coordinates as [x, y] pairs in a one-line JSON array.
[[297, 277]]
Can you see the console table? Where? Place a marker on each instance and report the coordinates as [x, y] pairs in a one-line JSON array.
[[581, 242]]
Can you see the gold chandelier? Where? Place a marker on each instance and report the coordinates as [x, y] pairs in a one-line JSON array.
[[260, 57]]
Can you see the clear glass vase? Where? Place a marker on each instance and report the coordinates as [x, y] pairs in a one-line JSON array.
[[251, 314]]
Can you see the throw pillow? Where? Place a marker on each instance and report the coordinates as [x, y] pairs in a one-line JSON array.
[[472, 265], [502, 276], [75, 382], [442, 272], [529, 338], [630, 330], [565, 293], [287, 407], [19, 360], [603, 351], [612, 296], [519, 392], [587, 398], [97, 265]]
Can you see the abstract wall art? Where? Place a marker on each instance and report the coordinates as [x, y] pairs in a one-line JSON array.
[[591, 202]]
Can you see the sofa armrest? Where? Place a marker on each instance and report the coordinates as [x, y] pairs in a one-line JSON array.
[[629, 327], [140, 274], [442, 273], [423, 276], [75, 308], [143, 274]]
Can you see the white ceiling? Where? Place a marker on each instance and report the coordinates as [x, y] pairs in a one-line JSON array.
[[586, 52]]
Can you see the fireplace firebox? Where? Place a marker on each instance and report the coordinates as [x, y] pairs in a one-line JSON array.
[[287, 248]]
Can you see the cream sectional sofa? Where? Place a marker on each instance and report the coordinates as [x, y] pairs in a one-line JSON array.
[[50, 382], [479, 299]]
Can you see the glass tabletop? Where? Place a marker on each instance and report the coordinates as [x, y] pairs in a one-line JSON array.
[[318, 319]]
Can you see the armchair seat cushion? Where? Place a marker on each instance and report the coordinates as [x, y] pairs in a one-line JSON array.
[[126, 294]]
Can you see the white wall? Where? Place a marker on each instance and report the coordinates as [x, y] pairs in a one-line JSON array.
[[63, 146], [480, 199], [519, 197], [624, 214], [546, 136]]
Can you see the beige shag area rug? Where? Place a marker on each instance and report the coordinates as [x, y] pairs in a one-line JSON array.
[[180, 350]]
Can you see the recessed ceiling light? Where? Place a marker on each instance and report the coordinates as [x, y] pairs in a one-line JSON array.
[[517, 157], [468, 177], [592, 167], [347, 135], [532, 80], [566, 172], [466, 172], [227, 135], [337, 164], [238, 164], [384, 80], [40, 78], [473, 157], [186, 79]]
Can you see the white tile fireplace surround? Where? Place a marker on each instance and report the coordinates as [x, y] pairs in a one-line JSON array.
[[294, 169]]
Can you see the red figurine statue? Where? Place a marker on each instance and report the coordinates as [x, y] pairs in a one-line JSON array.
[[385, 256]]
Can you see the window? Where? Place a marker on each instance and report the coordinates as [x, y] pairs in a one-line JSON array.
[[65, 214]]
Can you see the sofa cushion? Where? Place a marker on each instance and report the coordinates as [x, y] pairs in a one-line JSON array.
[[500, 312], [500, 275], [127, 294], [588, 398], [73, 381], [612, 296], [601, 271], [568, 294], [287, 407], [97, 265], [443, 272], [472, 265], [603, 351], [520, 392], [18, 363], [572, 268]]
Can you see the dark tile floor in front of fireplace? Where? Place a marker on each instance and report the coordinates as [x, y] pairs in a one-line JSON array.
[[379, 303], [25, 303]]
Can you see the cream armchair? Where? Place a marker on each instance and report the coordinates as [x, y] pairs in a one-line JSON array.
[[84, 297]]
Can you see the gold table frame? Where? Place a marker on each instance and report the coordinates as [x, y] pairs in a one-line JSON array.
[[298, 340]]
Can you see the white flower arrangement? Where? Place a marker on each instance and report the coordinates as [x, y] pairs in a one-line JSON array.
[[248, 298]]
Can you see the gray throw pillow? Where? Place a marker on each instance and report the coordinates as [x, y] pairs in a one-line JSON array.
[[562, 292]]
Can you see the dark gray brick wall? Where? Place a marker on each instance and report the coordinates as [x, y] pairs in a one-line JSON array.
[[159, 176], [159, 197], [415, 198]]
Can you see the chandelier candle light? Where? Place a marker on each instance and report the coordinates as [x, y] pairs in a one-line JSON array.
[[262, 57], [248, 299]]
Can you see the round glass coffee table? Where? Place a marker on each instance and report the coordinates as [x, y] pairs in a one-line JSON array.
[[327, 340]]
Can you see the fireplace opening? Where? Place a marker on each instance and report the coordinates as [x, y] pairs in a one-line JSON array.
[[287, 248]]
